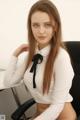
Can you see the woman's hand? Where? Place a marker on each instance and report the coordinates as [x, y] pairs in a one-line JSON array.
[[22, 48]]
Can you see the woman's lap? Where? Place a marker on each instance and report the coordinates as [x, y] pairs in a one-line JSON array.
[[68, 113]]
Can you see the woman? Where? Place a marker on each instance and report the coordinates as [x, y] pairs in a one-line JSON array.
[[47, 70]]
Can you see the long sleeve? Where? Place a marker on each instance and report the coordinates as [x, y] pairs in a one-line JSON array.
[[60, 93], [14, 73]]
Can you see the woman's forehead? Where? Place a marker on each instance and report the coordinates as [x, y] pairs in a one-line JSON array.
[[40, 16]]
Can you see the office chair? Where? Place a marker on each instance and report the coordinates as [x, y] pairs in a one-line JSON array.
[[73, 48]]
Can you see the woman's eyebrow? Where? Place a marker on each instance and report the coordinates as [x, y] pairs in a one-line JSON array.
[[47, 22]]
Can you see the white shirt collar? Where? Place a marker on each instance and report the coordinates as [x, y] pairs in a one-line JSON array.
[[44, 51]]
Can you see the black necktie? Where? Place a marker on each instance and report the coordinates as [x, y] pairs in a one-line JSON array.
[[37, 59]]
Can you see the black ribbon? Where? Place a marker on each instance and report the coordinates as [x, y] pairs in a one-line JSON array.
[[37, 59]]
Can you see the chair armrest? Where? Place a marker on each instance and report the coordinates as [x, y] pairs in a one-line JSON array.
[[22, 108]]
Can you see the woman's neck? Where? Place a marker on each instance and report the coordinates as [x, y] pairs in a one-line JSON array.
[[40, 46]]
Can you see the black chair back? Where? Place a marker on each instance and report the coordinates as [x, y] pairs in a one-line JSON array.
[[73, 48]]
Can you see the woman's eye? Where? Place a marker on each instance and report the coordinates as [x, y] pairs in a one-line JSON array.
[[48, 25], [35, 25]]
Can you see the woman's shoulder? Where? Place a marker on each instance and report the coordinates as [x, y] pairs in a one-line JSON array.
[[63, 55], [63, 52]]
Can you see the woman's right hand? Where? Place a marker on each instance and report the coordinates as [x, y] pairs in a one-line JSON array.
[[22, 48]]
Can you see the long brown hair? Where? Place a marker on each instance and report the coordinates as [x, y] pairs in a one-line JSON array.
[[48, 7]]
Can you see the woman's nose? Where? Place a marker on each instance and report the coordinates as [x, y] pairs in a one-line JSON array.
[[41, 29]]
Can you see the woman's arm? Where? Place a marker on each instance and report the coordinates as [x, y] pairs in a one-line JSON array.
[[60, 93], [14, 73]]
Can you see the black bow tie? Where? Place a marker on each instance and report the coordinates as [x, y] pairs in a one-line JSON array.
[[37, 59]]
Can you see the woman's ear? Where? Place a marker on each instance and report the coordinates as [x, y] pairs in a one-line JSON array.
[[55, 27]]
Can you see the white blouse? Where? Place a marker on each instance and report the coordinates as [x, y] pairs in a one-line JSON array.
[[59, 88]]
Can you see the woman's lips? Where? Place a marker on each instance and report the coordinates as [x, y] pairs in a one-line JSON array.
[[41, 37]]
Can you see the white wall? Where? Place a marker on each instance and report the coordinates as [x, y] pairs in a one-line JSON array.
[[13, 17]]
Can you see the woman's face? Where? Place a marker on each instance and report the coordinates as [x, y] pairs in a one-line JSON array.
[[42, 28]]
